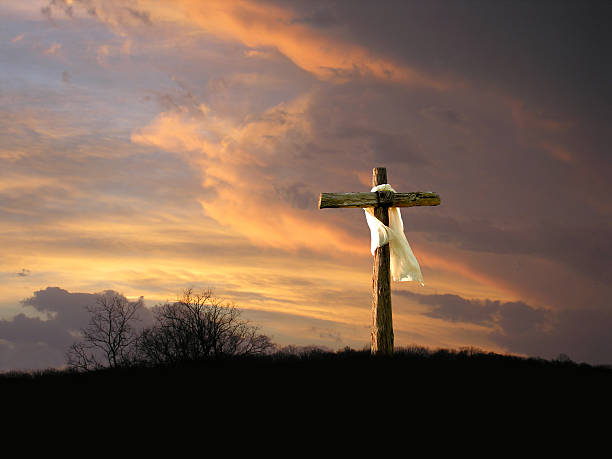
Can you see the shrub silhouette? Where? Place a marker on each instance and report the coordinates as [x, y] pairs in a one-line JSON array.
[[197, 327]]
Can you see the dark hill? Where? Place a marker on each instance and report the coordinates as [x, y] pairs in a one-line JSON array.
[[316, 394], [319, 369]]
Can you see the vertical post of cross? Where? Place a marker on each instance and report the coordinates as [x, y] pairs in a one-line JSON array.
[[382, 322]]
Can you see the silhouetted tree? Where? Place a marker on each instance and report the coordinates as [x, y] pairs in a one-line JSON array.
[[199, 326], [110, 339]]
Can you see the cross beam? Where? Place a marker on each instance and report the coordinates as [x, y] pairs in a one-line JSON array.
[[418, 198], [382, 322]]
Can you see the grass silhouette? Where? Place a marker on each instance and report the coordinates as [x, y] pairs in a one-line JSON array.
[[348, 386], [414, 363]]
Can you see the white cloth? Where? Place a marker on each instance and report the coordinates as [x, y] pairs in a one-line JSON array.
[[404, 265]]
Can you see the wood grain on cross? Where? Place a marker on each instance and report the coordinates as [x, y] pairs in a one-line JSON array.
[[382, 323]]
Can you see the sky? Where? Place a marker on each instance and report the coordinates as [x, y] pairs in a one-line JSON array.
[[147, 146]]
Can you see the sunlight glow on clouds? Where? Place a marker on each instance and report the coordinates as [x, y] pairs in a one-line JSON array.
[[146, 146], [239, 163]]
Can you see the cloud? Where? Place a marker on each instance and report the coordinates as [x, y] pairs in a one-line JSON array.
[[32, 342], [241, 162], [260, 24], [580, 247], [454, 308], [532, 51], [582, 333], [67, 308], [392, 144]]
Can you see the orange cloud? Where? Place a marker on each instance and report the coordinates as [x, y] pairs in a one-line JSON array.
[[235, 161], [259, 25]]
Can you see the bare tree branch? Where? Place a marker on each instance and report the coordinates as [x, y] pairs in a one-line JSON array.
[[110, 338]]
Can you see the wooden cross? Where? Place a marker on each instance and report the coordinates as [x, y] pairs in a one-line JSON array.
[[382, 323]]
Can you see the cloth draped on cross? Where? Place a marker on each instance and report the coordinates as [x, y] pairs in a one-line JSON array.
[[404, 265]]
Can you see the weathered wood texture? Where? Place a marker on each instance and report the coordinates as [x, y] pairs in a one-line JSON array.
[[382, 323], [368, 199]]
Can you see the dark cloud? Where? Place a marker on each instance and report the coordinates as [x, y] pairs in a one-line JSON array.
[[29, 355], [537, 49], [33, 329], [582, 248], [32, 342], [67, 308], [582, 333], [457, 309], [517, 318], [550, 58]]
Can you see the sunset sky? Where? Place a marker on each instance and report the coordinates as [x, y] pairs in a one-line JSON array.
[[147, 146]]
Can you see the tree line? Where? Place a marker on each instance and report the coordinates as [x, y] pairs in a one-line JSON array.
[[198, 326]]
